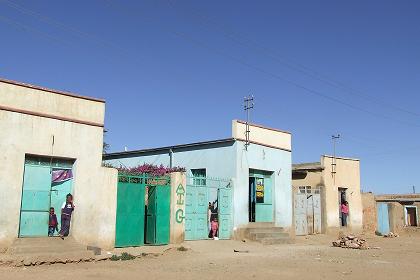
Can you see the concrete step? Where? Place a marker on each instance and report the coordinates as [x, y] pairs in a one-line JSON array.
[[272, 241], [265, 230], [260, 225], [47, 246], [262, 235]]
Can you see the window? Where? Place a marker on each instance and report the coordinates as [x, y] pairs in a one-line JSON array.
[[199, 176], [260, 190]]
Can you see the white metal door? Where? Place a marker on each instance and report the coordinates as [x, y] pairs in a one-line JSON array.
[[300, 205]]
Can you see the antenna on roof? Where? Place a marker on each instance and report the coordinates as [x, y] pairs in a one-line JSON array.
[[334, 159], [248, 105]]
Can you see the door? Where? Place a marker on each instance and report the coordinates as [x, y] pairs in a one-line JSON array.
[[383, 218], [225, 209], [301, 226], [158, 215], [316, 197], [264, 200], [310, 213], [130, 214], [35, 201], [196, 209]]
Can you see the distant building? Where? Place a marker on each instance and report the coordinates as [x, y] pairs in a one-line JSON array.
[[51, 145], [259, 191], [319, 190], [397, 212]]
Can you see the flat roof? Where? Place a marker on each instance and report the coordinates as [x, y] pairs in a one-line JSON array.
[[65, 93], [307, 166], [167, 148], [398, 197], [344, 158]]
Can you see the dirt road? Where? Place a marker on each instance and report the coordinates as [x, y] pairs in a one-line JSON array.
[[309, 258]]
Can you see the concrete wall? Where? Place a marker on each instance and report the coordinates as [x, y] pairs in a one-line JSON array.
[[369, 213], [396, 211], [262, 135], [268, 159], [177, 221], [24, 133], [347, 176]]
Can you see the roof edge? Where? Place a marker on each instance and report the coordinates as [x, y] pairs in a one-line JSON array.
[[167, 148], [65, 93], [264, 127]]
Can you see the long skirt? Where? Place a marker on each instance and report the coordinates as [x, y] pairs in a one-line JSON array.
[[65, 225]]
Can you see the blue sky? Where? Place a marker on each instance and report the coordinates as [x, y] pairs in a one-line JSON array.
[[176, 72]]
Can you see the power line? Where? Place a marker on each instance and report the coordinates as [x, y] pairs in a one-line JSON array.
[[276, 76], [295, 66], [52, 22]]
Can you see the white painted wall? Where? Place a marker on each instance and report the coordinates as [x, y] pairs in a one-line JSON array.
[[94, 186]]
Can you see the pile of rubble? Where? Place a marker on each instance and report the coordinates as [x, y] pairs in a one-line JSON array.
[[351, 242], [391, 235]]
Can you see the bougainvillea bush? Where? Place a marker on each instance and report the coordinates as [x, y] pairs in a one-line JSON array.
[[150, 169]]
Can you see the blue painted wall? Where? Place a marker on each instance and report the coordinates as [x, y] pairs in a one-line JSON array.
[[230, 160]]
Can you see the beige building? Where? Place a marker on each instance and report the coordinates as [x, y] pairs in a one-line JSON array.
[[45, 132], [325, 185]]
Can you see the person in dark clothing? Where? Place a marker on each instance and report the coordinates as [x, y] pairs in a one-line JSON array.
[[66, 211], [52, 223]]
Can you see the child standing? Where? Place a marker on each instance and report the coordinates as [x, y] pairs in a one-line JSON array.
[[214, 228], [52, 223], [66, 211]]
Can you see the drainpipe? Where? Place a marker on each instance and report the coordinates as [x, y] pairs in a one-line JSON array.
[[171, 153]]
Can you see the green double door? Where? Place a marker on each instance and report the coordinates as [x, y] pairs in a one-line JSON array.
[[38, 195], [136, 223]]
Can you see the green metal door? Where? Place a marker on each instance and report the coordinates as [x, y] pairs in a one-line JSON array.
[[130, 212], [264, 197], [196, 209], [225, 210], [158, 215], [35, 201]]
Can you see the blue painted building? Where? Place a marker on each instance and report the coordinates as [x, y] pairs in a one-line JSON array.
[[258, 166]]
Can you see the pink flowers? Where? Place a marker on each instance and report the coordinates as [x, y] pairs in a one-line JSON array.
[[150, 169]]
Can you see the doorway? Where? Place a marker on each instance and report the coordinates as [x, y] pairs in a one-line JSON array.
[[46, 182], [411, 216], [342, 197], [260, 200]]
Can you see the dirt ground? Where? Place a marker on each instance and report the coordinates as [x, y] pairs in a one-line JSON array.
[[309, 258]]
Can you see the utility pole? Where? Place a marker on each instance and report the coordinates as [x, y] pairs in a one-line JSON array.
[[414, 189], [334, 160], [248, 105]]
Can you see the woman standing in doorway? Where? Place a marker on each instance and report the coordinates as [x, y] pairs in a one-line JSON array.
[[344, 213], [66, 211]]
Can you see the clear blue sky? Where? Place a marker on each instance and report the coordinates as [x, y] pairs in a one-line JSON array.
[[176, 72]]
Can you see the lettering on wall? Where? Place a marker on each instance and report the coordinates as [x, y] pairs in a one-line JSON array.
[[179, 213]]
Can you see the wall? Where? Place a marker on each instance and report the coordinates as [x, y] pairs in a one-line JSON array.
[[268, 159], [347, 176], [23, 133], [177, 221], [262, 135], [369, 213]]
